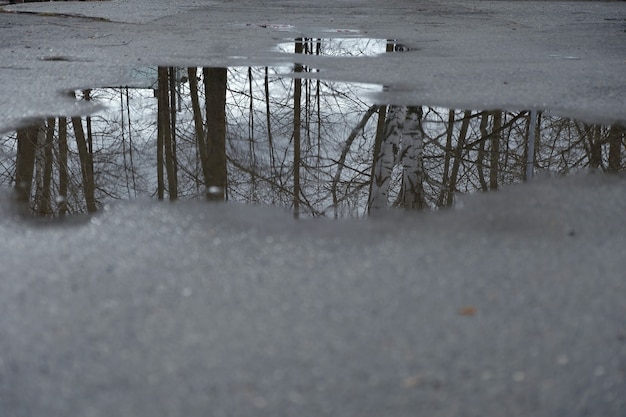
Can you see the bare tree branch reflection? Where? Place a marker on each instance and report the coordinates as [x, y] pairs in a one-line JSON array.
[[249, 134]]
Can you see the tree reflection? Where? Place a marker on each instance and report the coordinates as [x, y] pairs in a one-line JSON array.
[[251, 135]]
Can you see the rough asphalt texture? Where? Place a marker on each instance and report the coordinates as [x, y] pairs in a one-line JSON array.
[[513, 305]]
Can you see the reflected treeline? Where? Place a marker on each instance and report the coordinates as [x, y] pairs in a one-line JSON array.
[[343, 47], [249, 135]]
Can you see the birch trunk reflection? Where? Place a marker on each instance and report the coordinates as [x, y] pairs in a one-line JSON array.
[[387, 157], [413, 160]]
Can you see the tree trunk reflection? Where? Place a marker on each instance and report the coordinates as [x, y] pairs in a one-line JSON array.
[[248, 134], [25, 161], [215, 80]]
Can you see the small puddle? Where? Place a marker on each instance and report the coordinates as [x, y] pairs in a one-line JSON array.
[[342, 47], [247, 134]]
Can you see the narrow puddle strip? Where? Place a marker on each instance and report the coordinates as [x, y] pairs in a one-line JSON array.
[[343, 47]]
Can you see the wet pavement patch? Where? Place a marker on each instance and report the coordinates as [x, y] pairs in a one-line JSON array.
[[320, 148]]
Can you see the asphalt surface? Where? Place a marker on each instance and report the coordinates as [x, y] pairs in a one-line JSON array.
[[512, 305], [564, 56]]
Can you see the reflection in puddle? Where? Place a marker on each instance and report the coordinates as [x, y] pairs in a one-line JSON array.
[[246, 134], [342, 47]]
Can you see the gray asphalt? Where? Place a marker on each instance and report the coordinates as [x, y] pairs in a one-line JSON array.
[[512, 305], [565, 56]]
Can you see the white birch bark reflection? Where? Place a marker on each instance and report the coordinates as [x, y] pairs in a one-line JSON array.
[[387, 157], [413, 160]]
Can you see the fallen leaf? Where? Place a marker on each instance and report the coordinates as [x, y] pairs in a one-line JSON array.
[[467, 311]]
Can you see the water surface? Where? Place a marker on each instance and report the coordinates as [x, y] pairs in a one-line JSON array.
[[254, 135]]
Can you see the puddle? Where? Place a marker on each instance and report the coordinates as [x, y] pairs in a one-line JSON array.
[[342, 47], [321, 148]]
